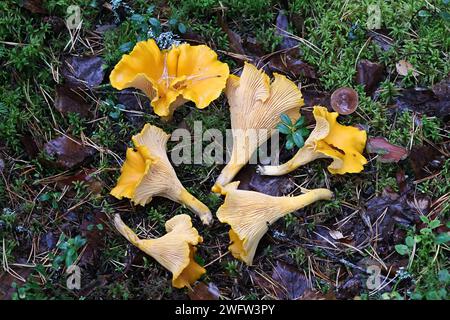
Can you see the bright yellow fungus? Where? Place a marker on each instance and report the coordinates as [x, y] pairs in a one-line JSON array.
[[147, 173], [249, 213], [174, 251], [255, 105], [172, 77], [329, 139]]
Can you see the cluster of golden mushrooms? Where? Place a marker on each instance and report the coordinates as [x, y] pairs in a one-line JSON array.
[[193, 73]]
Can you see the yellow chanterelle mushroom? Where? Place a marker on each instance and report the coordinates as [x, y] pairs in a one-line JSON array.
[[147, 173], [172, 77], [329, 139], [256, 104], [174, 251], [249, 213]]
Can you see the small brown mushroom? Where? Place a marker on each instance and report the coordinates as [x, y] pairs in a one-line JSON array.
[[344, 100]]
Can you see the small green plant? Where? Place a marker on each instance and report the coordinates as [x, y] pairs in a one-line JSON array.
[[52, 197], [69, 250], [232, 268], [298, 254], [7, 218], [430, 282], [156, 216], [289, 220], [295, 133]]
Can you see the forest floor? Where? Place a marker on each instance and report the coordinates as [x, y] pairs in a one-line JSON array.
[[383, 236]]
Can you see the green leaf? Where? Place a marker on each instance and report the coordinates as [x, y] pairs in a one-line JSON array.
[[425, 219], [154, 22], [137, 18], [70, 257], [173, 22], [44, 197], [182, 28], [444, 276], [432, 295], [300, 122], [286, 120], [283, 128], [416, 296], [150, 9], [304, 132], [425, 231], [442, 238], [289, 144], [126, 47], [90, 227], [424, 13], [298, 139], [445, 15], [434, 224], [57, 261], [100, 226], [79, 242], [401, 249], [409, 241]]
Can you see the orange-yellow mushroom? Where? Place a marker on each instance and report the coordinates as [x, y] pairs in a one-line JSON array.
[[255, 106], [174, 251], [172, 77], [147, 173], [329, 139], [249, 213]]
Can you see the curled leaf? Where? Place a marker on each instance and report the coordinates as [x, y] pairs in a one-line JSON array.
[[387, 152]]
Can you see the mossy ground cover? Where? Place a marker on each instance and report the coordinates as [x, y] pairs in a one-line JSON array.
[[52, 217]]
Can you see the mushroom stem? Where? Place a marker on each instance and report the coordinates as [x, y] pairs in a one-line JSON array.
[[302, 157], [226, 176], [195, 206], [303, 200]]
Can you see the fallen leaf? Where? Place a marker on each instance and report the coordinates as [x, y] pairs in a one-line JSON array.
[[293, 282], [101, 29], [381, 39], [387, 152], [442, 89], [385, 217], [369, 74], [271, 185], [134, 101], [336, 235], [234, 39], [68, 100], [93, 229], [282, 24], [298, 22], [404, 67], [424, 101], [85, 175], [316, 295], [29, 144], [68, 152], [253, 48], [316, 97], [34, 6], [425, 160], [288, 63], [202, 291], [83, 71], [350, 288]]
